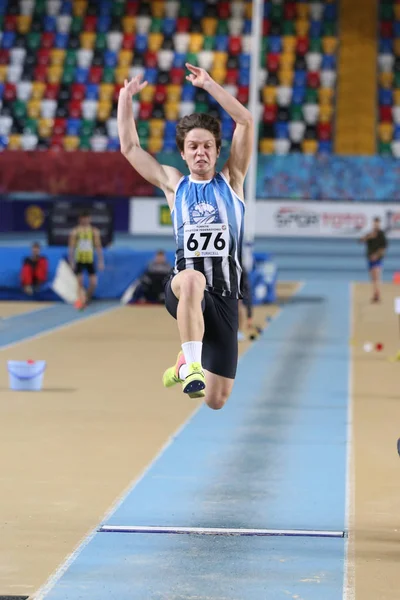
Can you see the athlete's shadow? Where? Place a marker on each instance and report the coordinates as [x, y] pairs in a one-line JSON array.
[[301, 300]]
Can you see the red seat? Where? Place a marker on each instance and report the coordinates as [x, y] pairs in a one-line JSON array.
[[48, 39], [313, 79], [131, 8], [231, 76], [289, 11], [150, 59], [78, 91], [243, 94], [145, 110], [324, 131], [40, 73], [385, 113], [52, 91], [95, 74], [117, 88], [302, 46], [235, 45], [266, 26], [60, 125], [90, 23], [75, 109], [10, 92], [4, 56], [56, 142], [160, 94], [224, 10], [128, 41], [10, 23], [183, 24], [272, 62], [176, 75], [43, 56], [270, 113], [387, 29]]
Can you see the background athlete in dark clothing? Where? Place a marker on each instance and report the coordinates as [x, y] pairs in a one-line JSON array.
[[376, 244]]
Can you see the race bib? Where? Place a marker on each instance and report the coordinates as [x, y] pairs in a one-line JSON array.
[[202, 241], [85, 245]]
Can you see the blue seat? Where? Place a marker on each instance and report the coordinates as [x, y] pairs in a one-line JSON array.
[[385, 46], [330, 12], [221, 43], [81, 74], [325, 147], [396, 29], [49, 23], [179, 60], [396, 132], [103, 23], [244, 61], [328, 62], [267, 9], [169, 26], [1, 89], [188, 93], [110, 58], [151, 75], [198, 9], [66, 8], [92, 91], [8, 39], [244, 77], [141, 42], [247, 27], [74, 126], [315, 29], [170, 130], [300, 78], [299, 94], [61, 40], [385, 97], [113, 144], [169, 145], [3, 139], [275, 44], [226, 129], [281, 130]]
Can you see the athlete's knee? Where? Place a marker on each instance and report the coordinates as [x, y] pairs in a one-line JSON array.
[[216, 401], [192, 283]]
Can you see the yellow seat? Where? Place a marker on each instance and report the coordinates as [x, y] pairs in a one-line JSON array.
[[396, 44], [286, 76], [129, 24], [147, 93], [79, 8], [267, 146], [155, 145], [54, 73], [155, 41], [329, 44], [38, 90], [386, 79], [71, 142], [158, 9], [57, 56], [3, 73], [125, 58], [23, 23], [385, 132], [209, 25], [174, 92], [121, 73], [196, 42], [45, 127], [309, 146], [220, 59], [248, 10], [218, 74], [157, 128], [104, 109], [106, 91], [33, 109], [88, 39], [397, 11], [269, 94], [171, 110], [289, 43], [302, 27], [14, 142], [325, 95], [396, 97], [287, 60], [325, 113], [303, 10]]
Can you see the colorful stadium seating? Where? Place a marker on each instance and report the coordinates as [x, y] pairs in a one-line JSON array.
[[63, 62]]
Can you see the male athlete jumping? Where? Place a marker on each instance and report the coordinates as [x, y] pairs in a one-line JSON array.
[[207, 210]]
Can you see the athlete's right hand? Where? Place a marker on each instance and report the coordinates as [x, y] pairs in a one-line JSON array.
[[134, 86]]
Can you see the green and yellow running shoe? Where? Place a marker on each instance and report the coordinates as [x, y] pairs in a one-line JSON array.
[[195, 382], [171, 375]]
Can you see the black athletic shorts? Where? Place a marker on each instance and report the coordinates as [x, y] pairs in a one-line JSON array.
[[89, 267], [220, 341]]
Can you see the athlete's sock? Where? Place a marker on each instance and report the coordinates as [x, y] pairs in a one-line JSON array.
[[192, 352], [183, 371]]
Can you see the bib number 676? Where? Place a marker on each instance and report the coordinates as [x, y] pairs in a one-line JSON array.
[[218, 242]]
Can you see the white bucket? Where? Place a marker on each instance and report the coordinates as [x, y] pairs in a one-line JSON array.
[[26, 375]]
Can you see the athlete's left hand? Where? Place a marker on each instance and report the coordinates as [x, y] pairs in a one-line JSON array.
[[198, 77]]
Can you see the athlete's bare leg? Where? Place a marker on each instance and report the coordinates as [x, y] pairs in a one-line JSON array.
[[188, 286], [81, 290], [218, 390], [375, 279], [92, 287]]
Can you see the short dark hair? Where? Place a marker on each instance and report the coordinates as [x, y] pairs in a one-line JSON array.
[[377, 219], [197, 121], [36, 245], [84, 213]]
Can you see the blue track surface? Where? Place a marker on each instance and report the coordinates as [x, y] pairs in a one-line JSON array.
[[275, 457]]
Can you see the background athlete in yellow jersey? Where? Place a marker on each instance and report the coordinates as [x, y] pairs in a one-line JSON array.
[[83, 241]]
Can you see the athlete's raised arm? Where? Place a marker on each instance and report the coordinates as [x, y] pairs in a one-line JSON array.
[[162, 176], [242, 141]]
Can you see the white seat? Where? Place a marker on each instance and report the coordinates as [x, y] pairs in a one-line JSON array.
[[396, 148], [205, 58], [231, 89], [313, 61], [246, 44], [171, 9], [235, 26], [282, 147], [316, 10], [84, 57], [114, 40], [29, 141], [135, 108], [311, 113], [64, 23], [263, 77], [48, 108], [284, 95], [385, 62], [186, 108], [112, 128], [17, 56], [53, 7], [135, 71], [14, 73], [260, 111], [165, 59], [296, 130], [27, 6], [98, 143], [5, 124], [237, 9], [89, 109], [24, 89], [143, 24], [181, 42], [396, 114], [328, 78]]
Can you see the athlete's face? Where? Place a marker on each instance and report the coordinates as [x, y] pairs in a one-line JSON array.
[[200, 153], [84, 221]]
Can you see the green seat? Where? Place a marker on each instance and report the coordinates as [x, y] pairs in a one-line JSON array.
[[396, 82], [76, 25], [289, 28], [108, 75], [184, 9], [316, 45], [144, 142], [101, 41], [84, 142], [222, 28], [311, 96], [40, 8], [19, 109], [118, 9], [386, 11], [33, 40], [156, 25], [276, 13], [191, 57], [143, 129], [208, 42], [87, 127], [201, 107], [31, 126], [329, 29], [68, 75], [296, 112], [70, 58], [384, 148]]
